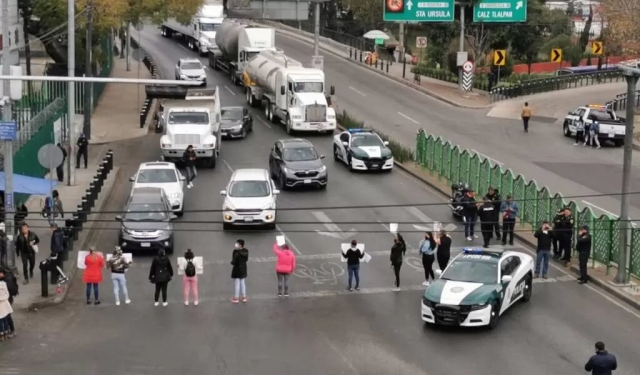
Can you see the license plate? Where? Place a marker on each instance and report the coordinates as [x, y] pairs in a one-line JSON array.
[[223, 134], [374, 166], [307, 181], [248, 219], [611, 135], [145, 244]]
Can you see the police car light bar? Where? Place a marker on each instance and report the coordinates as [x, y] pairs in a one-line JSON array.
[[359, 130], [471, 250]]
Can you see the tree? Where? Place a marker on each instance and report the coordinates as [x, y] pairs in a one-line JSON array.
[[526, 39], [366, 12], [586, 32], [623, 30]]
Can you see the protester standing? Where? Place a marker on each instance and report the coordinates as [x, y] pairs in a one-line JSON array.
[[398, 251], [543, 250], [487, 213], [594, 132], [189, 158], [5, 312], [565, 232], [555, 234], [83, 150], [239, 259], [494, 197], [579, 132], [427, 248], [58, 247], [92, 276], [189, 267], [160, 274], [602, 363], [118, 265], [470, 214], [509, 210], [26, 248], [526, 116], [285, 266], [353, 256], [583, 246], [443, 252]]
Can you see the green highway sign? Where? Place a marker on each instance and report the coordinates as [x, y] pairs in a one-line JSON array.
[[419, 10], [500, 11]]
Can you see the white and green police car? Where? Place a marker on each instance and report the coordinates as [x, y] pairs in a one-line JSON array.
[[477, 287]]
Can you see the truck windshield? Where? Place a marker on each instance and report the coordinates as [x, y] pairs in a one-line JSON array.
[[189, 118], [308, 87], [209, 26]]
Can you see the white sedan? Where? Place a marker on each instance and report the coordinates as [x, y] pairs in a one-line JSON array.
[[163, 175]]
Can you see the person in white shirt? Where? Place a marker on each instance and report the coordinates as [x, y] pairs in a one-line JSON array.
[[189, 267]]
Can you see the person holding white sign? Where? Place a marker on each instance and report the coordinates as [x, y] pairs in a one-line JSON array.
[[118, 264], [353, 256], [92, 276], [189, 267], [398, 250], [285, 265]]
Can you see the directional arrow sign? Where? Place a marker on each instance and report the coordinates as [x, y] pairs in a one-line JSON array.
[[409, 5], [556, 55], [500, 11], [596, 48], [333, 230], [419, 10], [500, 57]]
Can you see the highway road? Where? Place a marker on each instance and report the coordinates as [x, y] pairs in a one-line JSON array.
[[321, 328]]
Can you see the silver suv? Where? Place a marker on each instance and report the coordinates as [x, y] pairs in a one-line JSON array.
[[191, 70]]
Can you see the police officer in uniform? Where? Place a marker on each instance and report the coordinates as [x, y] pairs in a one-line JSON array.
[[487, 215], [583, 246], [565, 232], [494, 197], [554, 234]]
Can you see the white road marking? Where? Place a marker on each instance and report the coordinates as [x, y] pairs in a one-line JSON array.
[[356, 90], [600, 208], [228, 89], [487, 157], [227, 164], [333, 229], [408, 118], [427, 220], [264, 122]]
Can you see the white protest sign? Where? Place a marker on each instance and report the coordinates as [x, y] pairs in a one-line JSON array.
[[197, 261], [393, 228], [346, 246], [437, 226], [82, 255], [280, 240], [128, 257], [366, 258]]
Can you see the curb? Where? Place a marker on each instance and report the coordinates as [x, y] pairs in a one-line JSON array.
[[387, 75], [58, 299], [575, 270]]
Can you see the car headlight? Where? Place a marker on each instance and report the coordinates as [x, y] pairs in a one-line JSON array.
[[322, 169], [270, 206], [288, 170], [203, 77], [182, 76], [176, 196], [478, 306], [208, 145], [166, 145], [237, 127], [428, 302], [227, 207], [296, 117], [127, 231]]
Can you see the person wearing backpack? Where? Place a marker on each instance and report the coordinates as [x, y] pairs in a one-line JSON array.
[[285, 265], [118, 265], [189, 267], [160, 274]]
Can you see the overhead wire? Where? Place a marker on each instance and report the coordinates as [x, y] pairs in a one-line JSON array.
[[48, 36]]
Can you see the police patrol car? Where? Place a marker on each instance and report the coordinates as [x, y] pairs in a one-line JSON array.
[[362, 149], [477, 287], [611, 127]]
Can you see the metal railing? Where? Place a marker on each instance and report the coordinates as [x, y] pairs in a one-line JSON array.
[[620, 102], [352, 41], [453, 164], [554, 84]]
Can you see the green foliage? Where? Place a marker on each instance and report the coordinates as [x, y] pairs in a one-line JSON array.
[[400, 153]]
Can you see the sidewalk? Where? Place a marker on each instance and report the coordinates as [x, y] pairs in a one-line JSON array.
[[444, 91]]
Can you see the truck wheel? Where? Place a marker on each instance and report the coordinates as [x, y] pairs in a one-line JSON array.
[[289, 126], [211, 163], [267, 110], [163, 31], [618, 143], [566, 131], [251, 99], [215, 63]]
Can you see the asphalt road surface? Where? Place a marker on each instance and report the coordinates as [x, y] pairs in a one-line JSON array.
[[321, 329]]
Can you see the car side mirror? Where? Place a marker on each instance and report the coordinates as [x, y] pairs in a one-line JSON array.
[[132, 178], [507, 278], [345, 144], [321, 156], [223, 192], [386, 143], [119, 218], [333, 90], [282, 90], [276, 191], [438, 273], [173, 217]]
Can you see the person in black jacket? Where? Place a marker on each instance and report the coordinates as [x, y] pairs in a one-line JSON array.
[[353, 256], [487, 213], [189, 158], [496, 200], [583, 246], [602, 363], [60, 168], [58, 248], [18, 218], [26, 245], [564, 229], [555, 234], [470, 214], [160, 274], [83, 150], [543, 250], [398, 250], [443, 253], [239, 259]]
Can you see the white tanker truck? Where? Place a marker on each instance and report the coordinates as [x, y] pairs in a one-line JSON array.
[[289, 92], [237, 43]]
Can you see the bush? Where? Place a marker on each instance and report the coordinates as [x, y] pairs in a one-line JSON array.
[[401, 154]]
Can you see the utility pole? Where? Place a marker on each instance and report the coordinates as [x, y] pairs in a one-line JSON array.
[[8, 145], [462, 9], [401, 37], [316, 30], [128, 45], [631, 76], [71, 94], [88, 88]]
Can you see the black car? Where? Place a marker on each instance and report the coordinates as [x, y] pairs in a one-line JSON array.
[[147, 221], [235, 122], [295, 163]]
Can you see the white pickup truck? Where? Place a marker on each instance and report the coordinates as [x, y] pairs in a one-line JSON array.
[[611, 127]]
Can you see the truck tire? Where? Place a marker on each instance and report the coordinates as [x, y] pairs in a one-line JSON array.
[[618, 143], [165, 32], [289, 126], [251, 99], [211, 163], [232, 74], [214, 63], [565, 130]]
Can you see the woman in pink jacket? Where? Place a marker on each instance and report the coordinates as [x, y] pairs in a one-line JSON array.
[[285, 266]]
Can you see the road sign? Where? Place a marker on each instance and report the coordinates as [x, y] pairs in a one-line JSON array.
[[500, 57], [317, 62], [419, 10], [379, 41], [556, 55], [7, 130], [50, 156], [421, 42], [467, 81], [596, 48], [500, 11], [467, 67]]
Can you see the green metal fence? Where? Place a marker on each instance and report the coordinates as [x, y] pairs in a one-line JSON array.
[[449, 162]]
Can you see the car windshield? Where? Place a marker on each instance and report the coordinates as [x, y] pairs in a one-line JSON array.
[[209, 26], [157, 176], [191, 66], [299, 154], [146, 212], [366, 140], [308, 87], [189, 118], [249, 189], [232, 114], [472, 271]]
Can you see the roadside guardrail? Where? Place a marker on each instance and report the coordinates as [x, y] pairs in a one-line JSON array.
[[620, 102]]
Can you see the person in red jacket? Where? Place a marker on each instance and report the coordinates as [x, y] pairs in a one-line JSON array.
[[285, 265], [92, 276]]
